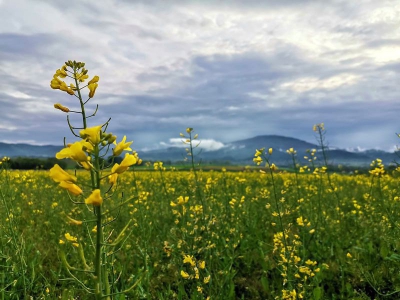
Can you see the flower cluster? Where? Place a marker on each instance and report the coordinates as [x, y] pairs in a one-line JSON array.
[[93, 141], [293, 267], [194, 271], [378, 168], [5, 159], [319, 127]]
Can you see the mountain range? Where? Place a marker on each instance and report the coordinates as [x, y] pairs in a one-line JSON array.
[[236, 152]]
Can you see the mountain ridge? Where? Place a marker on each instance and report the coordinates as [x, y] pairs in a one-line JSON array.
[[235, 152]]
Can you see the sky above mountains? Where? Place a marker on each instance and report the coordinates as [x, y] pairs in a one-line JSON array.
[[230, 69]]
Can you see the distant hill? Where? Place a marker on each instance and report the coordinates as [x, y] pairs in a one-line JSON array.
[[27, 150], [242, 152], [236, 152]]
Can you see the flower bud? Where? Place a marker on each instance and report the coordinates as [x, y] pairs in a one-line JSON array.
[[112, 139], [92, 89], [61, 107], [95, 79]]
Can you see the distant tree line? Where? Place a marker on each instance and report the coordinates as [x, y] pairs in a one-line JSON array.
[[32, 163]]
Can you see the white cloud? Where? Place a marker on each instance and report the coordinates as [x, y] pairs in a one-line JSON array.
[[305, 84], [19, 95], [205, 144], [356, 149]]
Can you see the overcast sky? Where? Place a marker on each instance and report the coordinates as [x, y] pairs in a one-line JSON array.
[[230, 69]]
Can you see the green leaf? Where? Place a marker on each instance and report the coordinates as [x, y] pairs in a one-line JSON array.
[[384, 251], [317, 293], [393, 257], [264, 283]]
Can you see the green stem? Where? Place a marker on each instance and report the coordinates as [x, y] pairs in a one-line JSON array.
[[80, 100], [196, 180], [285, 243], [95, 180], [97, 260]]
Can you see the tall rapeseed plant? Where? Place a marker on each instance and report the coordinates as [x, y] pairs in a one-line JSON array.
[[88, 152]]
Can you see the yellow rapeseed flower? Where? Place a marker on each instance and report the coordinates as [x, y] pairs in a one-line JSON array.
[[75, 151], [95, 79], [92, 89], [184, 274], [70, 237], [71, 187], [258, 160], [64, 87], [112, 179], [182, 200], [128, 161], [61, 72], [188, 259], [207, 279], [258, 153], [121, 146], [92, 134], [202, 264], [58, 174], [300, 221], [55, 83], [95, 198]]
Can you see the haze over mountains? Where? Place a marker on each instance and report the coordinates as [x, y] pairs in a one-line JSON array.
[[236, 152]]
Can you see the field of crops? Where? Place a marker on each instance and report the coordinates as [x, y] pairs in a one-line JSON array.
[[205, 235]]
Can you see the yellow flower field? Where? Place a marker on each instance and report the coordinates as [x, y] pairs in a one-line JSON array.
[[228, 235]]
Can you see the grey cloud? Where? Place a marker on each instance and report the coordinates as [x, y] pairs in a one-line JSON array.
[[167, 66], [16, 45]]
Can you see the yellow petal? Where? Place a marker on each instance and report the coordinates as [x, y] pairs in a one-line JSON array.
[[92, 89], [95, 198], [95, 79], [121, 146], [58, 174], [92, 134], [71, 187]]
